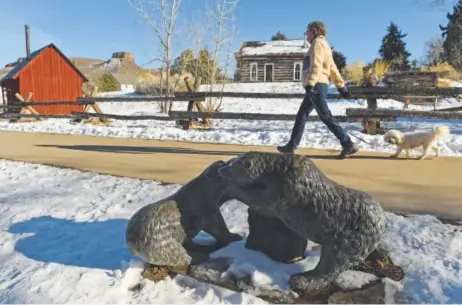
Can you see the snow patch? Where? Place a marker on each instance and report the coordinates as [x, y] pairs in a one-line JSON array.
[[294, 46], [62, 241], [248, 132]]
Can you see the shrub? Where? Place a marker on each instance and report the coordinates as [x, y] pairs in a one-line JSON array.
[[354, 72], [443, 83], [451, 74], [381, 67], [106, 83], [147, 88]]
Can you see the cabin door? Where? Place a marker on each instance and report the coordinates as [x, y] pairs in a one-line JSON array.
[[269, 73]]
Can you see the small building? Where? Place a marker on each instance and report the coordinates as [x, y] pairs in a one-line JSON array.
[[271, 61], [50, 76], [125, 82]]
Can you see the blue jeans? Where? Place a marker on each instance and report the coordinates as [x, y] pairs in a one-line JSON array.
[[318, 101]]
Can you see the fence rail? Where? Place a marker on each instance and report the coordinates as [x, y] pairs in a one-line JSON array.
[[356, 92], [22, 104], [450, 109], [381, 112], [178, 97], [41, 116], [88, 115], [242, 116], [352, 114], [260, 116], [185, 115]]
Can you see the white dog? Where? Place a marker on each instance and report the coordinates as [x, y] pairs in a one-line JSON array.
[[410, 140]]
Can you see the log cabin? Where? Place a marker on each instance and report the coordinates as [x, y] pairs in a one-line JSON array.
[[271, 61]]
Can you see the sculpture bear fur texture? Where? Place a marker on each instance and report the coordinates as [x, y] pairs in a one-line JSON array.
[[347, 223], [161, 233], [272, 237]]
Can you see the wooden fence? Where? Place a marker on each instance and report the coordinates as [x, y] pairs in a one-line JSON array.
[[352, 114]]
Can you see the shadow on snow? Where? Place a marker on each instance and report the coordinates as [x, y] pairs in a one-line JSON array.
[[98, 244]]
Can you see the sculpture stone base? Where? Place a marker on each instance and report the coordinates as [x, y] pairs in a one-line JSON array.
[[270, 236], [215, 272]]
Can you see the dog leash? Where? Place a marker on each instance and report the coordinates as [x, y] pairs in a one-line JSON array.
[[361, 139]]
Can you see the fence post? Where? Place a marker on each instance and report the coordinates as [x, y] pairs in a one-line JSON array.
[[191, 104], [371, 127]]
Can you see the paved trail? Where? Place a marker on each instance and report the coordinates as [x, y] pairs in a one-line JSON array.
[[408, 186]]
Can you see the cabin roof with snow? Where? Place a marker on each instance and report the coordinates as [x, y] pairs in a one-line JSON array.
[[277, 47]]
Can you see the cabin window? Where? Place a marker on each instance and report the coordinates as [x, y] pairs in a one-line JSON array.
[[253, 71], [297, 71]]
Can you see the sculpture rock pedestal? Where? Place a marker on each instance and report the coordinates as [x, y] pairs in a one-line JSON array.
[[271, 236]]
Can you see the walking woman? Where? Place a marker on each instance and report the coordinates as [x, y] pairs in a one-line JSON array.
[[318, 66]]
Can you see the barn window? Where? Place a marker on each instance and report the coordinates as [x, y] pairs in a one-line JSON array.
[[253, 71], [297, 71]]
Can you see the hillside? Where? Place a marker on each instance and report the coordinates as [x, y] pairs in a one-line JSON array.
[[92, 68]]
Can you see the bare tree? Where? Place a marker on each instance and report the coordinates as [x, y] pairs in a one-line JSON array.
[[193, 33], [161, 15], [223, 21], [435, 51]]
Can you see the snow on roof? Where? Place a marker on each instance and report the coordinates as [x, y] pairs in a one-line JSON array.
[[293, 46]]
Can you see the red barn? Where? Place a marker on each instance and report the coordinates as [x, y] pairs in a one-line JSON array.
[[50, 76]]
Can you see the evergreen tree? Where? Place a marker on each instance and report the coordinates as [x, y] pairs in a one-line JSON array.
[[106, 83], [452, 33], [200, 66], [339, 59], [184, 62], [279, 36], [393, 48]]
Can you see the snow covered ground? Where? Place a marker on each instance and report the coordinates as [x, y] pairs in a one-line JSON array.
[[245, 131], [62, 241]]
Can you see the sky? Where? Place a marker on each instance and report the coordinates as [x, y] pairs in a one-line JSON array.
[[98, 28]]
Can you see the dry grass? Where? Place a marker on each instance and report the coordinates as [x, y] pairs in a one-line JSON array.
[[381, 67], [150, 84], [213, 104], [452, 74], [89, 89], [354, 72], [443, 83]]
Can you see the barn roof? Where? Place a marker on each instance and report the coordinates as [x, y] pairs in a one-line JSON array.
[[13, 73], [277, 47]]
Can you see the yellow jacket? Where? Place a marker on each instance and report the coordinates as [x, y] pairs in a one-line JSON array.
[[321, 65]]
